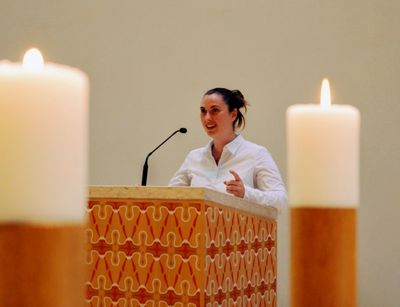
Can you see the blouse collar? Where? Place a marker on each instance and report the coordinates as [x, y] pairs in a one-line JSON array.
[[232, 146]]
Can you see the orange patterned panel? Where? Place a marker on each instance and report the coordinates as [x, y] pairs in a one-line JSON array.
[[178, 253], [241, 259], [143, 253]]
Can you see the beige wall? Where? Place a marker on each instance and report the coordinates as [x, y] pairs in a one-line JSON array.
[[149, 62]]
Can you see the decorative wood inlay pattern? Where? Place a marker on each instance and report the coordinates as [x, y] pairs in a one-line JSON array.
[[144, 252]]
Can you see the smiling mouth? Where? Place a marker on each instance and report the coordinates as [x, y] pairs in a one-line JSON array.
[[209, 127]]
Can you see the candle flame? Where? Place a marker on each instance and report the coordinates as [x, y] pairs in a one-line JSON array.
[[33, 60], [325, 101]]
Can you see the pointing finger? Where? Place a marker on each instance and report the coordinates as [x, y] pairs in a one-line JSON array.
[[235, 175]]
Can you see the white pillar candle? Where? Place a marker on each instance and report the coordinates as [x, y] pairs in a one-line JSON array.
[[323, 154], [43, 141]]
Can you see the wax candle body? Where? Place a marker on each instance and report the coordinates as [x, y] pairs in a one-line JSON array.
[[323, 155], [43, 143]]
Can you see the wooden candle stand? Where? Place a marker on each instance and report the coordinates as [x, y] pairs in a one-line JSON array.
[[42, 265], [323, 261]]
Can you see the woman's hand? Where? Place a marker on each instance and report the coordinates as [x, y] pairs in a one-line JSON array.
[[236, 186]]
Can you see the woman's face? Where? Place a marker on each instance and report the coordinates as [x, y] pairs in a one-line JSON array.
[[215, 117]]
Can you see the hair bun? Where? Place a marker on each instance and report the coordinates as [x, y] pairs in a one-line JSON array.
[[240, 102], [238, 94]]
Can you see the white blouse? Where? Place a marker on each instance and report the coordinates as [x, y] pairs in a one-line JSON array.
[[254, 164]]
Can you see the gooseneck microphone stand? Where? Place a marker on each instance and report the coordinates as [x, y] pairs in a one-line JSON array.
[[146, 166]]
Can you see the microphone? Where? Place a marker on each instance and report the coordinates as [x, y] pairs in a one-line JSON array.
[[145, 166]]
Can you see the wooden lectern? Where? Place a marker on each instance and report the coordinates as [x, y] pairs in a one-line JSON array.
[[164, 246]]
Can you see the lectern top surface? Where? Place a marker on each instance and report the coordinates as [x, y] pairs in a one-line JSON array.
[[182, 193]]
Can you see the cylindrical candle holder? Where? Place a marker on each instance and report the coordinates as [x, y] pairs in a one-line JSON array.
[[323, 177], [323, 257], [43, 147], [42, 265]]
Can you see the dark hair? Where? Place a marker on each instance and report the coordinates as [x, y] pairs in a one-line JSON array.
[[234, 100]]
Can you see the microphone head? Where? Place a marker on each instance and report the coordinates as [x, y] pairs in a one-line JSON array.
[[183, 130]]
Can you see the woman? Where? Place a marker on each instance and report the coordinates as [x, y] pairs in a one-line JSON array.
[[229, 163]]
